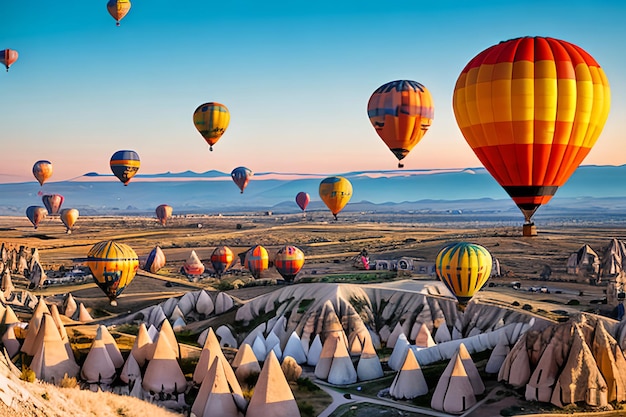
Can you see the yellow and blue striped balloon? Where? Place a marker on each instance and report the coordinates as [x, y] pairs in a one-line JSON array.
[[211, 119], [464, 268], [125, 165], [113, 266]]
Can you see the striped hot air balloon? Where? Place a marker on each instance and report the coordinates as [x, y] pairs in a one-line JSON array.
[[221, 259], [288, 262], [118, 9], [464, 268], [163, 212], [113, 266], [8, 57], [69, 217], [257, 260], [42, 170], [531, 109], [52, 202], [211, 119], [125, 165], [241, 176], [36, 214], [335, 192], [155, 260]]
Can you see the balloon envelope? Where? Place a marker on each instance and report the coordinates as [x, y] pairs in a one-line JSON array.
[[69, 217], [42, 170], [8, 57], [36, 214], [464, 268], [302, 200], [531, 109], [401, 112], [155, 260], [221, 259], [289, 261], [113, 266], [125, 165], [163, 212], [241, 176], [335, 192], [52, 202], [257, 260], [118, 9], [211, 119]]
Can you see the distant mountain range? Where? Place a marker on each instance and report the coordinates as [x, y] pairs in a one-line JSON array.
[[590, 188]]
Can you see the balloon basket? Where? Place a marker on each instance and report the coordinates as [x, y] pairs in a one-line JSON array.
[[529, 230]]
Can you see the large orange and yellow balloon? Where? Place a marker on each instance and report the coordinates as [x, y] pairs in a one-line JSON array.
[[335, 192], [118, 9], [163, 212], [222, 258], [211, 119], [113, 266], [8, 57], [464, 268], [69, 217], [288, 261], [531, 109], [401, 112], [257, 260], [42, 170]]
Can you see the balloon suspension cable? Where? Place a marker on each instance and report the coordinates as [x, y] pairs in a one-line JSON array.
[[211, 148], [335, 217]]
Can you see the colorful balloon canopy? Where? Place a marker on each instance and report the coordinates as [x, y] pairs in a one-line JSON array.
[[193, 265], [288, 262], [241, 176], [113, 266], [302, 200], [118, 9], [163, 212], [125, 165], [36, 214], [335, 192], [155, 260], [69, 217], [8, 57], [531, 109], [464, 268], [53, 202], [401, 112], [42, 170], [257, 260], [222, 258], [211, 119]]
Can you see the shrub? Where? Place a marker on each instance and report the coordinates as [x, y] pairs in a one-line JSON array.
[[68, 382], [291, 369], [251, 379], [28, 375], [306, 384], [225, 286], [306, 409]]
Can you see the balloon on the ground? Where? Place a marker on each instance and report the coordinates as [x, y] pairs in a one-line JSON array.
[[113, 266], [335, 192], [163, 212], [531, 109], [401, 112], [211, 119], [257, 260], [42, 170], [241, 176], [221, 259], [69, 217], [8, 57], [52, 202], [118, 9], [302, 200], [288, 262], [464, 268], [125, 165], [36, 214], [155, 260]]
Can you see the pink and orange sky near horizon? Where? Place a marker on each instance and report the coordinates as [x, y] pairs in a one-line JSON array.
[[296, 80]]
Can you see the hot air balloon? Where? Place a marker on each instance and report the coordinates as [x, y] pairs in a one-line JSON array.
[[211, 119], [221, 259], [163, 212], [36, 214], [531, 109], [125, 165], [8, 57], [69, 217], [401, 112], [52, 202], [302, 200], [113, 266], [193, 265], [118, 9], [257, 260], [288, 262], [42, 170], [335, 192], [155, 260], [241, 176], [464, 268]]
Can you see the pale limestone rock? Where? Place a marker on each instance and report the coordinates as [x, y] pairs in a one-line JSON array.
[[163, 373], [409, 382], [214, 397], [398, 354], [226, 337], [294, 349], [454, 392], [369, 366], [51, 361], [342, 370], [315, 351], [272, 395]]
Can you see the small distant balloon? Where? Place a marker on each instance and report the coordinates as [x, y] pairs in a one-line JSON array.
[[42, 170], [335, 192], [155, 260], [241, 176], [52, 202], [211, 119], [221, 259], [113, 266], [302, 200], [288, 262], [118, 9], [8, 57], [36, 214], [163, 212], [69, 217], [125, 165]]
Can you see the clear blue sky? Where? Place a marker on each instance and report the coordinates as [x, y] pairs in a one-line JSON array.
[[295, 78]]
